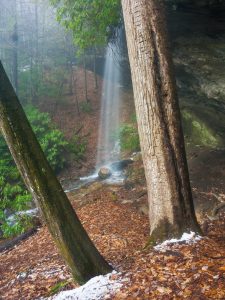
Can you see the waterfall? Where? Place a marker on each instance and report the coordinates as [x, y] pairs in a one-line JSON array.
[[108, 144]]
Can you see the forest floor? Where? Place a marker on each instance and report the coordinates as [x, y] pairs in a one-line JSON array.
[[115, 218], [34, 268]]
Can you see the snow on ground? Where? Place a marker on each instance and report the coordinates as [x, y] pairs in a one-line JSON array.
[[188, 238], [99, 287]]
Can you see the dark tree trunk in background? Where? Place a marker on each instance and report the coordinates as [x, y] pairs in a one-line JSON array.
[[70, 65], [15, 51], [36, 56], [171, 210], [70, 55], [85, 78], [62, 221], [74, 89], [95, 73]]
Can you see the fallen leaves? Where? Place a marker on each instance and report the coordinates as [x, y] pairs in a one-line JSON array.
[[183, 271]]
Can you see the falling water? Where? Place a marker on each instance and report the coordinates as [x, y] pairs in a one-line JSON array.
[[108, 144]]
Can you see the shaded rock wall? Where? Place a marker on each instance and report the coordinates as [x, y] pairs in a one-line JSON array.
[[197, 32], [212, 4], [198, 42]]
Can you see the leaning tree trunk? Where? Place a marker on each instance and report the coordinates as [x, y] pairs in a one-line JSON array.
[[171, 210], [63, 223]]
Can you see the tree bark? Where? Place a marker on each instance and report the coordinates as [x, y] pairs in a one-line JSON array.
[[171, 209], [62, 221]]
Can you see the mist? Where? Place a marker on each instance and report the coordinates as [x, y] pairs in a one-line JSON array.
[[34, 49]]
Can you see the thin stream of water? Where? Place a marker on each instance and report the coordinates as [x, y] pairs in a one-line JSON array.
[[108, 150], [108, 146]]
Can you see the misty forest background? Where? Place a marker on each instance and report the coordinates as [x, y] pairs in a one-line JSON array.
[[40, 58], [58, 78], [55, 55], [60, 86]]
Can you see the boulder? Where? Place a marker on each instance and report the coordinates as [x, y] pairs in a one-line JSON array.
[[104, 173]]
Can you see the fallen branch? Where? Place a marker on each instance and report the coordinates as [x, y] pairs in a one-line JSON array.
[[218, 208], [9, 244], [79, 130]]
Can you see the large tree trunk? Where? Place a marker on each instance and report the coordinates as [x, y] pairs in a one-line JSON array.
[[171, 210], [64, 225]]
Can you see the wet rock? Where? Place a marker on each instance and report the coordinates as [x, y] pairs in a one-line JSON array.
[[104, 173], [121, 164]]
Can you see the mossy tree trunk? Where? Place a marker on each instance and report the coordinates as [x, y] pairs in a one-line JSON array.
[[171, 210], [72, 240]]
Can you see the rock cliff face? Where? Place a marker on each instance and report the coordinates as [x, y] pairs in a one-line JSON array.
[[198, 42], [212, 4], [197, 31]]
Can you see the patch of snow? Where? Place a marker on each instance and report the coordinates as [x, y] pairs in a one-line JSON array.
[[188, 238], [97, 288], [22, 276]]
